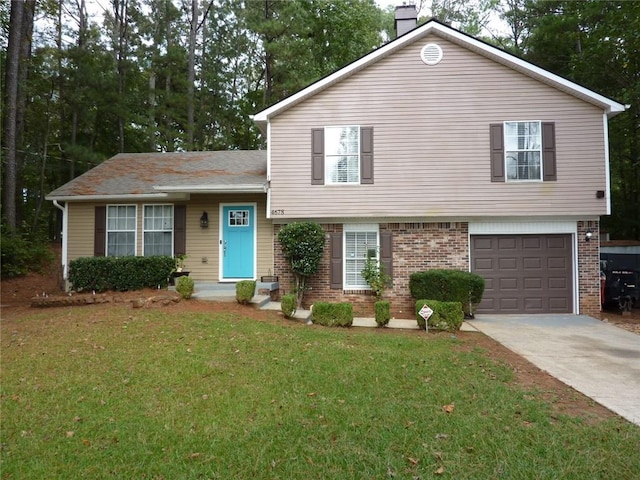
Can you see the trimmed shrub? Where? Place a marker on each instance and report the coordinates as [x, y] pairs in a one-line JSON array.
[[288, 305], [448, 286], [302, 246], [382, 312], [245, 290], [446, 315], [120, 274], [332, 314], [185, 287]]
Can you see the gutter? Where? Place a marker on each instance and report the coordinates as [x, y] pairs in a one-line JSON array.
[[65, 228], [247, 188], [119, 197]]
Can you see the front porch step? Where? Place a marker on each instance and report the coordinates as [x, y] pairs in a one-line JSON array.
[[260, 301]]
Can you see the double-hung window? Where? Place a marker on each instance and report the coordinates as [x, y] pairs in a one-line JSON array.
[[342, 154], [158, 230], [360, 243], [121, 230], [523, 150]]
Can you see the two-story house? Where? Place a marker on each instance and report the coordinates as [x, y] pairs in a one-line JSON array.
[[436, 150]]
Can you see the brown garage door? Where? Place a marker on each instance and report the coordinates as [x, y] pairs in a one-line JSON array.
[[524, 273]]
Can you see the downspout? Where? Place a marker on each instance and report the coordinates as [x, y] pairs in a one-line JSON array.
[[65, 226]]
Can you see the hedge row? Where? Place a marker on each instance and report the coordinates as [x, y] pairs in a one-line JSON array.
[[446, 316], [101, 274], [448, 286]]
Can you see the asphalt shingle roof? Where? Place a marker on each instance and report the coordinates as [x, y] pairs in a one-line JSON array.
[[139, 173]]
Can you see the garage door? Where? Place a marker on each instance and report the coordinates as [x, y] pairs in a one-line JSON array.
[[524, 273]]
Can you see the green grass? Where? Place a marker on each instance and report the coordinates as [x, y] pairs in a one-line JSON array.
[[149, 395]]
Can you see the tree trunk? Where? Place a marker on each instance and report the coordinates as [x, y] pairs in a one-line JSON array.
[[18, 55], [191, 73], [11, 107]]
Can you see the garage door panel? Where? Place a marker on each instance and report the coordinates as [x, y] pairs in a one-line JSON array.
[[529, 243], [484, 244], [533, 303], [557, 263], [508, 304], [557, 242], [508, 283], [532, 283], [558, 304], [557, 283], [481, 264], [507, 263], [524, 273], [507, 243], [531, 263]]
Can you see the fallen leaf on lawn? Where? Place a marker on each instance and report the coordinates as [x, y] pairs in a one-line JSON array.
[[312, 394], [70, 434], [441, 436], [408, 424], [439, 471], [86, 442], [448, 408], [194, 455], [413, 461]]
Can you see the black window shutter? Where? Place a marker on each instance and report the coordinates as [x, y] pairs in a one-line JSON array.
[[100, 232], [366, 155], [386, 252], [496, 140], [549, 151], [179, 230], [336, 260], [317, 156]]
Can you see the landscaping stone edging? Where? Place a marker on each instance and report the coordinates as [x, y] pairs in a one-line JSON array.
[[74, 300]]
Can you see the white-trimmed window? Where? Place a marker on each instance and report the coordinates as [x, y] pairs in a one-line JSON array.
[[342, 154], [121, 230], [523, 150], [157, 227], [360, 242]]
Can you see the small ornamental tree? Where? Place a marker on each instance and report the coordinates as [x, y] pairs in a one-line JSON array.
[[302, 245]]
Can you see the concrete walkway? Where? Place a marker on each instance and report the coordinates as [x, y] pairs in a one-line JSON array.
[[597, 359]]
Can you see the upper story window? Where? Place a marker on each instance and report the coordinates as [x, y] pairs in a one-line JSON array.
[[121, 230], [523, 150], [158, 230], [342, 154]]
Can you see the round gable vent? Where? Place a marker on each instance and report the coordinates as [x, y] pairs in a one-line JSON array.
[[431, 54]]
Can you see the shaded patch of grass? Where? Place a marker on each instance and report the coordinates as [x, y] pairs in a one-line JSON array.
[[158, 395]]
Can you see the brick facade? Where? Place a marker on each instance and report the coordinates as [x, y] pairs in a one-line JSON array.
[[589, 268], [422, 246], [416, 247]]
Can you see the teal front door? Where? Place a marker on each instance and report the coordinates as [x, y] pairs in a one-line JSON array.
[[238, 242]]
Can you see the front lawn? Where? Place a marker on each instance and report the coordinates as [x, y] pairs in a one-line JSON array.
[[156, 394]]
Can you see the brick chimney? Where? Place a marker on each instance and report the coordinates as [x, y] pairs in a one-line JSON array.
[[406, 19]]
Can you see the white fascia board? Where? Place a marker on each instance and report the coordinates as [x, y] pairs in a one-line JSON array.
[[132, 197], [611, 107], [249, 188]]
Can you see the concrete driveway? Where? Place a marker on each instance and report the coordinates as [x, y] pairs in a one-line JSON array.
[[597, 359]]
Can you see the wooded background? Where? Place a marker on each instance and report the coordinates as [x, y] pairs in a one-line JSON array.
[[83, 80]]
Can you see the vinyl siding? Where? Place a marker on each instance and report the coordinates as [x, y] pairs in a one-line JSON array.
[[431, 142], [201, 242]]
